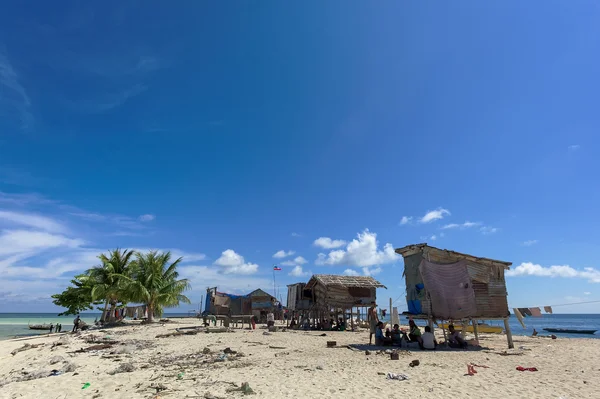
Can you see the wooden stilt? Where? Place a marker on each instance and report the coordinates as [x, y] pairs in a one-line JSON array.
[[444, 331], [475, 329], [430, 323], [464, 325], [508, 334], [352, 318]]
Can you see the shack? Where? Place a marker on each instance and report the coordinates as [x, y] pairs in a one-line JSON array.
[[257, 303], [447, 285], [298, 297], [333, 293]]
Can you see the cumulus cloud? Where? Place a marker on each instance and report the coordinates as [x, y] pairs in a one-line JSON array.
[[465, 225], [529, 243], [147, 218], [434, 215], [563, 271], [328, 243], [362, 251], [351, 272], [297, 261], [234, 263], [297, 271], [406, 220], [283, 254]]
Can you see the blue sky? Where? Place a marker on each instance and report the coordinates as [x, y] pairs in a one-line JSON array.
[[229, 134]]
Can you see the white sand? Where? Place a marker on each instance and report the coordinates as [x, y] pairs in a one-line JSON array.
[[568, 368]]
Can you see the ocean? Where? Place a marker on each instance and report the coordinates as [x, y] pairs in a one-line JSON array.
[[14, 325]]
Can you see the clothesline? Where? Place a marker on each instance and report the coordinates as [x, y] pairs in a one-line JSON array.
[[562, 304]]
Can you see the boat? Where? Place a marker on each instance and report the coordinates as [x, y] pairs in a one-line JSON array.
[[481, 328], [569, 331], [46, 327]]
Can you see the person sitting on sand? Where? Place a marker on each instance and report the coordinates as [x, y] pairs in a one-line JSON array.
[[397, 335], [414, 333], [428, 338], [454, 339], [293, 323], [380, 338]]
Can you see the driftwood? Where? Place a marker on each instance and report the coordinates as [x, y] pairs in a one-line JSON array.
[[175, 334], [93, 348], [25, 348]]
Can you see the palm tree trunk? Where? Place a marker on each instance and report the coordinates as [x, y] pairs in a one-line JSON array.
[[150, 313], [104, 312], [111, 312]]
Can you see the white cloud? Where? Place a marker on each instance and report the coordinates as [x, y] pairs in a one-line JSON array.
[[485, 230], [433, 237], [362, 251], [465, 225], [406, 220], [283, 254], [574, 147], [294, 234], [297, 271], [529, 243], [587, 293], [147, 218], [371, 271], [351, 272], [328, 243], [564, 271], [298, 261], [437, 214], [24, 242], [31, 220], [232, 262]]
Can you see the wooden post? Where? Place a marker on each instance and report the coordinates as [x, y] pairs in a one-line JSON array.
[[444, 331], [464, 328], [475, 329], [508, 334], [390, 312], [431, 324], [352, 317]]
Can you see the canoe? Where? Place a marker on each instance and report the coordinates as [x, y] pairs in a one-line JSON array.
[[40, 326], [569, 331], [482, 328]]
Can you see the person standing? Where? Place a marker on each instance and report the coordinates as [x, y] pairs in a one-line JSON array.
[[373, 320], [76, 323]]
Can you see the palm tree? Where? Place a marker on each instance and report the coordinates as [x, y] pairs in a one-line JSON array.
[[109, 280], [155, 283]]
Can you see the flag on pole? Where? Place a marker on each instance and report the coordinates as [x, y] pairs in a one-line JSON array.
[[276, 268]]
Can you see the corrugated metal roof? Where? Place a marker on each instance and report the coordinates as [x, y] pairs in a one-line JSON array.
[[409, 249]]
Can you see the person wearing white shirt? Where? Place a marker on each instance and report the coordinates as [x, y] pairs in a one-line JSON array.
[[428, 338]]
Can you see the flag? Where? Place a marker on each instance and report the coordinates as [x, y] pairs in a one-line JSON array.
[[276, 268]]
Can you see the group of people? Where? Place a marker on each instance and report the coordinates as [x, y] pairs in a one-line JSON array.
[[426, 340]]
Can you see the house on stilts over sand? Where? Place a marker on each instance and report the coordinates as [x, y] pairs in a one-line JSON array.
[[451, 286]]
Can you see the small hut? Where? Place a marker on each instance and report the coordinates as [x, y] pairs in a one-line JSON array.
[[448, 285], [298, 297], [332, 293]]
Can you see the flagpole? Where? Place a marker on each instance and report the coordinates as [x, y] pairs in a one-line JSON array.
[[274, 293]]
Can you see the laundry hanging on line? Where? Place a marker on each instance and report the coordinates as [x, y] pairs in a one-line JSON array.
[[535, 312], [548, 309]]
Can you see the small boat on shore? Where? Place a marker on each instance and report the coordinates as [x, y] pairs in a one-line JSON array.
[[569, 331], [45, 327]]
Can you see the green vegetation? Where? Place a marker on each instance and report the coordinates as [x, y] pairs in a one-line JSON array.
[[148, 279]]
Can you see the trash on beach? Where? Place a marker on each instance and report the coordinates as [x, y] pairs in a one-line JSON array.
[[521, 368], [25, 348], [180, 375], [396, 376], [414, 363], [245, 389], [86, 385], [331, 344]]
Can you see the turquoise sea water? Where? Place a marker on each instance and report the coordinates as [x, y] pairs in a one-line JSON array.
[[15, 324]]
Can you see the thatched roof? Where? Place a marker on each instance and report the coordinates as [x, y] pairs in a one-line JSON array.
[[412, 249], [344, 281]]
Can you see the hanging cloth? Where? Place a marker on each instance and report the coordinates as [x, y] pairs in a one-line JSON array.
[[525, 312], [548, 309], [536, 312], [519, 316]]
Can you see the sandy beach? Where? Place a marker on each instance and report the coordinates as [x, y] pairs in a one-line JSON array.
[[131, 362]]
